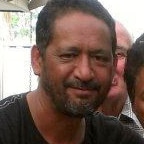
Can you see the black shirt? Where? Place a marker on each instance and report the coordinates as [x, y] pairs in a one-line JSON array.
[[17, 126]]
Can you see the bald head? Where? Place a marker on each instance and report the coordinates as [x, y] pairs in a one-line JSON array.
[[124, 39]]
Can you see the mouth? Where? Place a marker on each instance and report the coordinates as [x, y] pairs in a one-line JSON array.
[[83, 92], [83, 88]]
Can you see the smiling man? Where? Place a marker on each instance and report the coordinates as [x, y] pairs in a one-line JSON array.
[[74, 59]]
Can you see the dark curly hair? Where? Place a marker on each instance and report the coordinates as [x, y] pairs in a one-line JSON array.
[[57, 8], [135, 61]]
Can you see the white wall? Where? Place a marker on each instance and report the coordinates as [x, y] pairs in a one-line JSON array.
[[128, 12], [16, 73]]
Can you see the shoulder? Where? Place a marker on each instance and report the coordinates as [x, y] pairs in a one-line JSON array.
[[111, 130], [11, 108], [4, 103], [11, 101], [104, 123], [11, 111]]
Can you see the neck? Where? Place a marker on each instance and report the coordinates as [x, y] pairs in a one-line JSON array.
[[111, 107], [113, 110], [55, 127]]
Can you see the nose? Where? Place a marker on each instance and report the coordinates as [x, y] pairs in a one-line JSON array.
[[83, 69], [120, 66]]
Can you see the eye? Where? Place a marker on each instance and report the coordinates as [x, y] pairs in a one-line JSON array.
[[68, 56], [121, 55], [101, 58]]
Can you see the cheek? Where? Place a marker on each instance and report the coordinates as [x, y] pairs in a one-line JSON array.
[[105, 76], [138, 105], [120, 66], [139, 87], [138, 108], [59, 72]]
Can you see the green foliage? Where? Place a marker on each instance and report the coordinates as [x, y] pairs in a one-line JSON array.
[[22, 26], [14, 20], [24, 32]]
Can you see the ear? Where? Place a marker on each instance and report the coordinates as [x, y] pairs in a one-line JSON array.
[[36, 60]]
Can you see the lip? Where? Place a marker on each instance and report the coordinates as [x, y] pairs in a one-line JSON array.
[[83, 92]]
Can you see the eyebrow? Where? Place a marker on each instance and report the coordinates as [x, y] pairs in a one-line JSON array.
[[121, 48], [102, 51]]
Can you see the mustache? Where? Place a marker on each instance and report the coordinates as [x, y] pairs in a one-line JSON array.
[[78, 84]]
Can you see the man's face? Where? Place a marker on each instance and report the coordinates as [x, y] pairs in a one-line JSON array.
[[118, 87], [77, 70], [138, 104], [118, 90]]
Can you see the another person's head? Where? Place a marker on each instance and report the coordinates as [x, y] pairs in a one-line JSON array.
[[134, 76], [73, 55], [118, 93]]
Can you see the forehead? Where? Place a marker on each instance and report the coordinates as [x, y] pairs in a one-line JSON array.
[[79, 25], [77, 17], [123, 37]]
